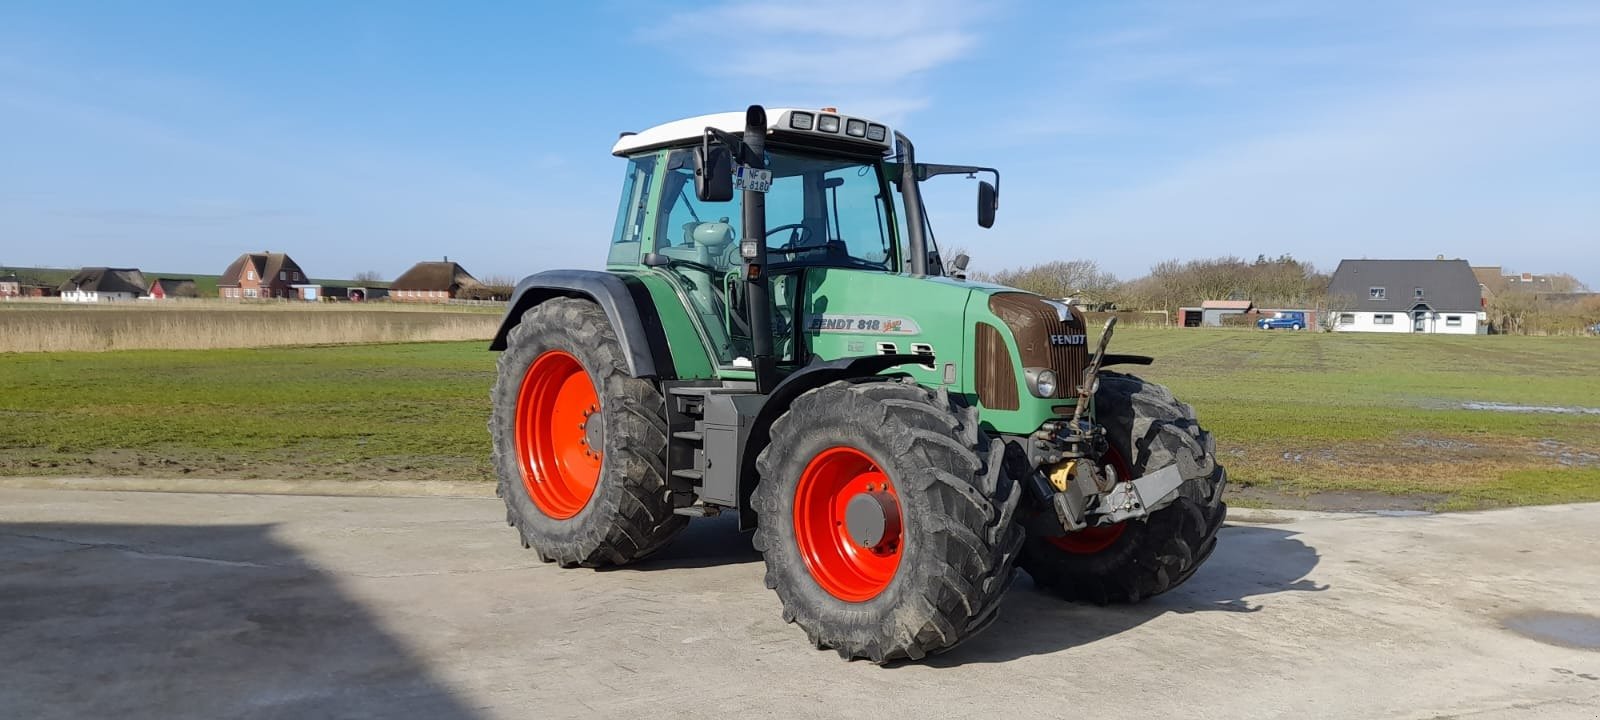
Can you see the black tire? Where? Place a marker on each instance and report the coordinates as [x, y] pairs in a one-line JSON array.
[[629, 515], [960, 543], [1152, 430]]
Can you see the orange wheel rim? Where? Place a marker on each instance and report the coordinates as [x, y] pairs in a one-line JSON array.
[[559, 435], [844, 564], [1089, 541]]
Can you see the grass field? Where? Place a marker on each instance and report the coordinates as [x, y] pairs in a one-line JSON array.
[[1301, 418], [44, 326]]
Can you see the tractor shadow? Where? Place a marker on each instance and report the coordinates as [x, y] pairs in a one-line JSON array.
[[1251, 564], [706, 542], [171, 621]]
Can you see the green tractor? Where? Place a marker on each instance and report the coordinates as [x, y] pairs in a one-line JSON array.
[[776, 336]]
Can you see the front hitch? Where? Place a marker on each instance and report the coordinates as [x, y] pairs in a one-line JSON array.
[[1082, 492]]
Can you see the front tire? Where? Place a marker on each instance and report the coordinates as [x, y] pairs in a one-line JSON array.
[[1148, 429], [885, 519], [579, 444]]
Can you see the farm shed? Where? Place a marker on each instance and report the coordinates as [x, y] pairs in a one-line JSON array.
[[1212, 311], [172, 288]]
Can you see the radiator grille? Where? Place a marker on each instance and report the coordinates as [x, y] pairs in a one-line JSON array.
[[1033, 322], [997, 378]]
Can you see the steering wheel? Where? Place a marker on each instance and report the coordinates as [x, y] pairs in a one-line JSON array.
[[702, 267], [798, 234]]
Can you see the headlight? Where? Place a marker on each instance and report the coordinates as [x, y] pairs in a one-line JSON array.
[[1040, 381], [828, 123], [1045, 386]]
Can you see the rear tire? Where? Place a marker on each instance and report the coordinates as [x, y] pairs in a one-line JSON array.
[[579, 493], [1150, 429], [942, 560]]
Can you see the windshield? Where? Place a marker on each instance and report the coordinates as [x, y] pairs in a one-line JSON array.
[[820, 212]]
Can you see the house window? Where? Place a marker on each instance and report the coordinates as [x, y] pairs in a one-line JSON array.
[[249, 292], [1347, 318], [283, 275], [249, 274], [1452, 320], [1383, 319], [1378, 293], [1419, 293]]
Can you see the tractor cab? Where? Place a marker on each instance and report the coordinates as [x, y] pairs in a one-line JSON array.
[[836, 193]]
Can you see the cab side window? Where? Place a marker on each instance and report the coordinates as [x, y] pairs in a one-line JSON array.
[[627, 236]]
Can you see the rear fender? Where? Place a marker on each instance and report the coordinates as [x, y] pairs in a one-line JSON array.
[[626, 304]]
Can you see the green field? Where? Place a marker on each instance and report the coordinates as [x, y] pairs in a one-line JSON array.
[[1320, 419]]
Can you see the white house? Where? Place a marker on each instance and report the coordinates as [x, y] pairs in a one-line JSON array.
[[1406, 296], [101, 284]]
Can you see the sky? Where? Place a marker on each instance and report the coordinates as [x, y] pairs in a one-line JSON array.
[[173, 136]]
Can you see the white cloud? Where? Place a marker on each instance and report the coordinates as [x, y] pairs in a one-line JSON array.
[[868, 57]]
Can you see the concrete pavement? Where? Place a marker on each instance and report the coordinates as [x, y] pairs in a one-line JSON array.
[[163, 605]]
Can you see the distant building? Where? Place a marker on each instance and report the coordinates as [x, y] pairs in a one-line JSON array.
[[317, 292], [1211, 312], [1491, 281], [172, 289], [1408, 296], [10, 286], [260, 275], [1529, 282], [103, 284], [437, 282]]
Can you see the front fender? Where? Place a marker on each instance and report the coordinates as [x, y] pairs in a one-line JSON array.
[[813, 375]]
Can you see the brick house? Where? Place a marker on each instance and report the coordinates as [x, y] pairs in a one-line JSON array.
[[171, 288], [260, 275], [436, 282]]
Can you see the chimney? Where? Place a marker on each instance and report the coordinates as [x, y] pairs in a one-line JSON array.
[[447, 258]]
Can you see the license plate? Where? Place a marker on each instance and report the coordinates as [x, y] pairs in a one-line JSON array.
[[749, 178]]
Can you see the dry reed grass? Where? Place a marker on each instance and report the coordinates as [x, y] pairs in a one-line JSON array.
[[198, 326]]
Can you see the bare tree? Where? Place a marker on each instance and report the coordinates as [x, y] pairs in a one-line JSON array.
[[368, 276], [499, 287]]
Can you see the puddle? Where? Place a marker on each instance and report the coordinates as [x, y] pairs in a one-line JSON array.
[[1568, 455], [1571, 630], [1507, 407]]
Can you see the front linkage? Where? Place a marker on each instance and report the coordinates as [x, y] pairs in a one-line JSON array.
[[1069, 478]]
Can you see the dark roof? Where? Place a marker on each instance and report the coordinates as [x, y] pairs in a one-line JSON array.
[[176, 287], [266, 264], [104, 279], [434, 276], [1447, 285], [1491, 278]]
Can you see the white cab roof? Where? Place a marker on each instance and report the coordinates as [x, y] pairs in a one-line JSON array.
[[687, 129]]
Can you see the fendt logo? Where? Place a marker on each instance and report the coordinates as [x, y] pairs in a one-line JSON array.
[[1068, 340]]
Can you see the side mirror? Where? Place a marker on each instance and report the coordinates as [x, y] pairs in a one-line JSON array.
[[988, 201], [713, 173]]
